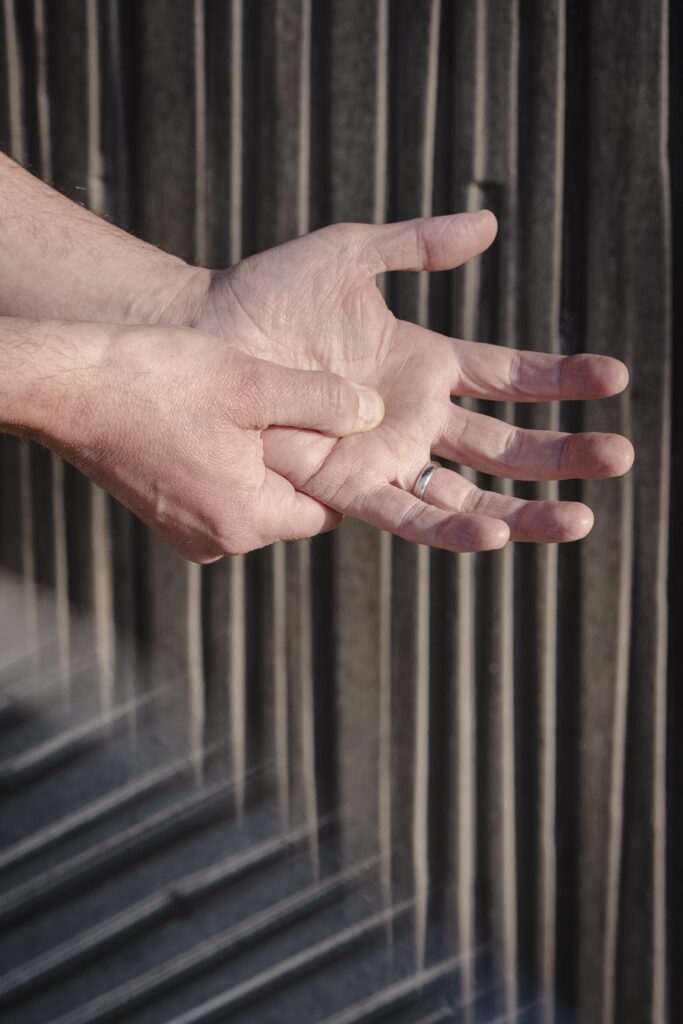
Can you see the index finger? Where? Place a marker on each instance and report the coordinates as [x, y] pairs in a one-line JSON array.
[[504, 374]]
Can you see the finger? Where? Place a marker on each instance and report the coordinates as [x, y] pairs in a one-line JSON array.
[[539, 521], [311, 399], [391, 508], [429, 243], [503, 374], [287, 514], [492, 446]]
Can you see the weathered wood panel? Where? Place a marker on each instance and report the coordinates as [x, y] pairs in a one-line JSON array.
[[502, 732]]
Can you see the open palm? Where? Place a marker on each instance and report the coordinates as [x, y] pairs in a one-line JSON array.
[[314, 304]]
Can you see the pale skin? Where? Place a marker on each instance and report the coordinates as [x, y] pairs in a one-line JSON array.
[[238, 425]]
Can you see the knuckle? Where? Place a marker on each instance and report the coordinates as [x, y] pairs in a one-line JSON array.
[[254, 395], [231, 543], [223, 530], [442, 532], [565, 454], [410, 519], [471, 499], [204, 546], [419, 242], [329, 393], [513, 450], [565, 369], [341, 398], [515, 371]]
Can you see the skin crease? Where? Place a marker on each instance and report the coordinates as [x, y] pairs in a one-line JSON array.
[[313, 303]]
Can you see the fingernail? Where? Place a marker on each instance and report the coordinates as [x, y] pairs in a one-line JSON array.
[[370, 406]]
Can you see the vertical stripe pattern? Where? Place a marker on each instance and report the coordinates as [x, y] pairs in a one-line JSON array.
[[494, 734]]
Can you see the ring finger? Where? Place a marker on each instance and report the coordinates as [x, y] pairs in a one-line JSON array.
[[539, 521]]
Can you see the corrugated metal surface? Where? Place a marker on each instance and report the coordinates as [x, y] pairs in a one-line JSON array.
[[437, 787]]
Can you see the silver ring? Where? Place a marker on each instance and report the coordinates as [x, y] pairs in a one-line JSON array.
[[424, 478]]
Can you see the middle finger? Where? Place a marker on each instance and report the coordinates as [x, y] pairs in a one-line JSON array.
[[500, 449]]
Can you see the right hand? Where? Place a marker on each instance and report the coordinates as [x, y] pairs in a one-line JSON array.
[[169, 421]]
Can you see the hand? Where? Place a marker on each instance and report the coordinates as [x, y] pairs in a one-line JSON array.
[[314, 304], [169, 421]]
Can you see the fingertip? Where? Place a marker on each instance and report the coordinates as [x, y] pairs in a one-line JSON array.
[[370, 408], [619, 376], [584, 521], [594, 376], [612, 455], [628, 455], [498, 534], [487, 220], [477, 228], [611, 376], [572, 521]]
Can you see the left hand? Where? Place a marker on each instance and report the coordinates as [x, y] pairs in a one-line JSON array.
[[313, 303]]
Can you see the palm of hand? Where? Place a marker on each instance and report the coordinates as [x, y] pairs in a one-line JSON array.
[[314, 304]]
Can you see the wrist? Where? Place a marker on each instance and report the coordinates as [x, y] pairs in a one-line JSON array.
[[157, 289], [184, 298]]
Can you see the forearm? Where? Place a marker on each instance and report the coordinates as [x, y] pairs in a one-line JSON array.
[[47, 371], [59, 261]]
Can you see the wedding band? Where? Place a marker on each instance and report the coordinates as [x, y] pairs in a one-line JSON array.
[[424, 478]]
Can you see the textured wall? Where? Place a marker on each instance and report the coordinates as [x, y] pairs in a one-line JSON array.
[[494, 727]]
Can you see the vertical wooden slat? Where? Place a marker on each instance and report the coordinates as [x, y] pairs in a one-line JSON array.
[[61, 572], [237, 649], [99, 523], [280, 683], [42, 91], [61, 576], [385, 582], [420, 838], [469, 126], [282, 223], [414, 53], [622, 656], [17, 141], [637, 221], [119, 150], [651, 558], [212, 98], [164, 200], [497, 764], [358, 192], [305, 665], [279, 97], [14, 82], [541, 169], [674, 709], [28, 565], [618, 762], [195, 650]]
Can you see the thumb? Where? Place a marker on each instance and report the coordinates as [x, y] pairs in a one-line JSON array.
[[429, 243], [312, 399]]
